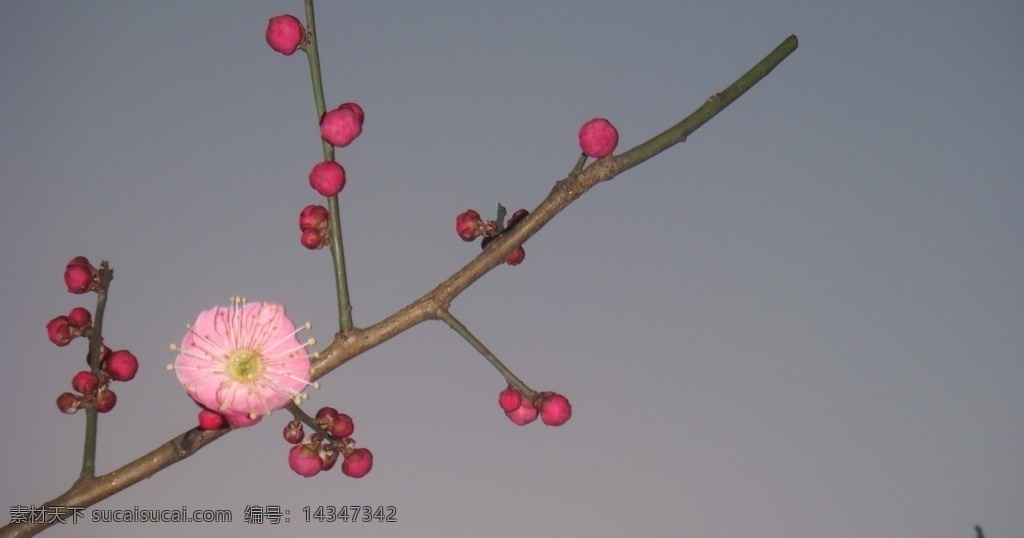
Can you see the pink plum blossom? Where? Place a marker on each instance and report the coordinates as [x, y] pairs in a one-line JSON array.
[[243, 361]]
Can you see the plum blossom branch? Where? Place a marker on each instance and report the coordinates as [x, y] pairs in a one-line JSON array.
[[351, 342]]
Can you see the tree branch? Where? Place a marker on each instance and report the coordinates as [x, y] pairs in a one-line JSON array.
[[350, 343]]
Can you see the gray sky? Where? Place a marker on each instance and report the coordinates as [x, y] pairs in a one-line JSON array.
[[804, 321]]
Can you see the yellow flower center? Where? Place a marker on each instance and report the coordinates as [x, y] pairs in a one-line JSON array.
[[245, 365]]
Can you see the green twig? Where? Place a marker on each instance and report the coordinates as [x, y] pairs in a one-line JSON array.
[[335, 241], [106, 274], [579, 166], [715, 104], [458, 327]]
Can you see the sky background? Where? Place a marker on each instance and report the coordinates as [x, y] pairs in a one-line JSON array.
[[807, 320]]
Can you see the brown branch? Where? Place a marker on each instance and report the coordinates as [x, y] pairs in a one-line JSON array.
[[353, 342]]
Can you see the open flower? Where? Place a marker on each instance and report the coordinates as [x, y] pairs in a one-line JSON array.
[[243, 361]]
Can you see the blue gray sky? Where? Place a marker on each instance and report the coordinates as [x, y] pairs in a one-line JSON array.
[[804, 321]]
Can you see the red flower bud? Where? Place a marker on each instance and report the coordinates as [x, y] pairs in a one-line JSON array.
[[327, 178], [554, 409], [285, 34], [313, 217], [68, 403], [510, 399], [341, 126], [516, 257], [210, 420], [85, 382], [515, 218], [468, 224], [79, 278], [342, 426], [79, 318], [121, 365], [293, 432], [105, 400], [313, 239], [357, 463], [59, 331], [598, 138], [304, 460]]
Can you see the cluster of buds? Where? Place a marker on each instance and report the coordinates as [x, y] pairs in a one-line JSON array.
[[63, 329], [314, 226], [469, 226], [92, 385], [553, 408], [320, 451]]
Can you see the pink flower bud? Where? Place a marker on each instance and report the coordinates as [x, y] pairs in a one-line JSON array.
[[210, 420], [516, 257], [313, 239], [68, 403], [341, 126], [510, 399], [342, 426], [293, 432], [554, 409], [598, 138], [525, 414], [285, 34], [304, 460], [468, 224], [79, 278], [326, 413], [327, 178], [105, 400], [121, 365], [357, 463], [79, 318], [59, 331], [519, 215], [313, 217], [85, 382]]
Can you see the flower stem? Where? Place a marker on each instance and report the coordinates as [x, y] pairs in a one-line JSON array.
[[458, 327], [106, 274], [579, 166], [308, 420], [336, 243]]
